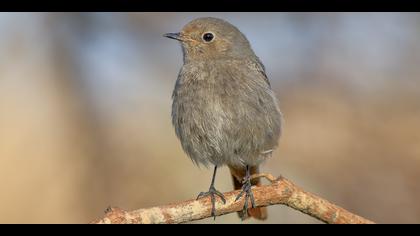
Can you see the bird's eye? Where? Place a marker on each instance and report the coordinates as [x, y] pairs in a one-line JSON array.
[[208, 37]]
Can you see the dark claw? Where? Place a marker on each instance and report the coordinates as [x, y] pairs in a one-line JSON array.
[[212, 193], [251, 195], [245, 209], [213, 208], [221, 196], [246, 188], [200, 195], [239, 195]]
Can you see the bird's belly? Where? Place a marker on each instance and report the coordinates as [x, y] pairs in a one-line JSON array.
[[222, 132]]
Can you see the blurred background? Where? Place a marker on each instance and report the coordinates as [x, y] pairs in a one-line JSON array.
[[85, 102]]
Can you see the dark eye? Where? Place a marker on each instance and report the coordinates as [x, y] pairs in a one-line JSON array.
[[208, 37]]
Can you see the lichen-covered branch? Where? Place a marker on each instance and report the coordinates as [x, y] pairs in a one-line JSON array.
[[280, 191]]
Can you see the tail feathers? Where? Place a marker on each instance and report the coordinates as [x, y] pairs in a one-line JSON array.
[[259, 213]]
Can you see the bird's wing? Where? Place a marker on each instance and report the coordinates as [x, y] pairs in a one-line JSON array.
[[258, 66]]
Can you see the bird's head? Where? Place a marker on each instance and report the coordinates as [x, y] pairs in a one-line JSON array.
[[211, 39]]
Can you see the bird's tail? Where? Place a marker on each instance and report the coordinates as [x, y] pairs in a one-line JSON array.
[[259, 213]]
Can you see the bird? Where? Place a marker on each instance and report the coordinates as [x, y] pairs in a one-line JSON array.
[[224, 110]]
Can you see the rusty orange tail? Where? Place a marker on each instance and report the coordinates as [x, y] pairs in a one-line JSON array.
[[259, 213]]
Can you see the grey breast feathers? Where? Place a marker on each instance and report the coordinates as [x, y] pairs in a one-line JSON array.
[[223, 115]]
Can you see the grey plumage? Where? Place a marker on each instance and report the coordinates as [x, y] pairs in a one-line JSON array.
[[224, 111]]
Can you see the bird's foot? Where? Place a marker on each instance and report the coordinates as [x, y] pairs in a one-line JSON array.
[[246, 189], [212, 193]]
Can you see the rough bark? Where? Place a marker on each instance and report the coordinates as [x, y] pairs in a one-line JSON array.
[[280, 191]]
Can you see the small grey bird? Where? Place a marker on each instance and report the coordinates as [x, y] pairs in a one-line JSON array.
[[224, 111]]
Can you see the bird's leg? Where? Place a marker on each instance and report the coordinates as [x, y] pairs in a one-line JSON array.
[[213, 193], [246, 188]]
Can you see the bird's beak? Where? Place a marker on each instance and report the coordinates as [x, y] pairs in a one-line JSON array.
[[176, 36]]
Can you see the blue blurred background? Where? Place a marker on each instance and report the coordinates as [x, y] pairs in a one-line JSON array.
[[85, 103]]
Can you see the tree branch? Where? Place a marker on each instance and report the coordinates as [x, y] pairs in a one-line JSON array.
[[280, 191]]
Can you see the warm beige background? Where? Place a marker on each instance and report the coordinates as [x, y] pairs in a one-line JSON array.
[[85, 112]]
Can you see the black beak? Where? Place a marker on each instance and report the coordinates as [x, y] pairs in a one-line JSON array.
[[175, 36]]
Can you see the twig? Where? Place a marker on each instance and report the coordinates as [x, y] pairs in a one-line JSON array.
[[280, 191]]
